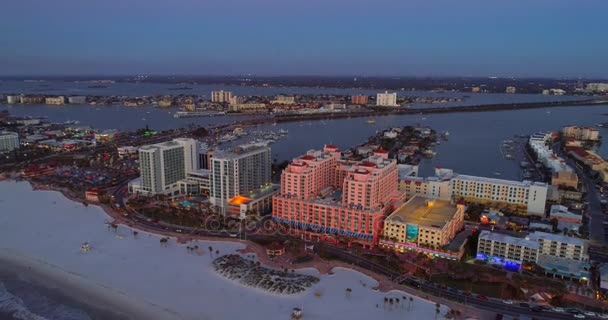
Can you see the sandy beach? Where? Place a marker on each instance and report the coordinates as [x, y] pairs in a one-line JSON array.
[[134, 277]]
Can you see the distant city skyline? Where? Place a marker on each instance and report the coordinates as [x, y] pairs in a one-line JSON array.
[[521, 39]]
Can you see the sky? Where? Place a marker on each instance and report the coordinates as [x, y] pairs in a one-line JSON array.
[[515, 38]]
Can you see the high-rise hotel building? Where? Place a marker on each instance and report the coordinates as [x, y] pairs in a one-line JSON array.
[[163, 165], [325, 197], [237, 172]]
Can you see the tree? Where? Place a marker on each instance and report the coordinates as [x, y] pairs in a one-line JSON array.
[[411, 303], [135, 233], [437, 309]]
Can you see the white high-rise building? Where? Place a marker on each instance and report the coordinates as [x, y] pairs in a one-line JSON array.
[[386, 99], [9, 141], [164, 165], [242, 170], [221, 96]]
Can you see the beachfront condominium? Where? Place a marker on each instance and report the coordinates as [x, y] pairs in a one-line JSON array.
[[242, 170], [163, 165], [423, 223], [386, 99], [9, 141], [526, 196], [221, 96], [325, 197]]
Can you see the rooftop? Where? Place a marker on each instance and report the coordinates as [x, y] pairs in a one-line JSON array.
[[524, 183], [262, 192], [424, 212], [505, 238], [557, 237]]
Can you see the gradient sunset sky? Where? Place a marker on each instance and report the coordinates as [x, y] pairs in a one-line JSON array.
[[521, 38]]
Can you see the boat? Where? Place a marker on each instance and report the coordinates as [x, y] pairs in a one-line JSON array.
[[283, 131], [227, 138], [371, 121], [71, 122], [445, 135], [497, 173]]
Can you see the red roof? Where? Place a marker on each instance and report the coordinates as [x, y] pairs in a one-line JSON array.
[[367, 164], [331, 146], [307, 157], [380, 150]]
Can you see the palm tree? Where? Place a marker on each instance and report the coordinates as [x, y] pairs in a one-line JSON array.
[[348, 292], [411, 303], [211, 251], [135, 234], [437, 309], [217, 252]]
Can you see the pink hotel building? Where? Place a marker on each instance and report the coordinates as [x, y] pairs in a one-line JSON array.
[[323, 196]]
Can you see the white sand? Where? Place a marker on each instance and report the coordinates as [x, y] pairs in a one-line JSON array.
[[44, 230]]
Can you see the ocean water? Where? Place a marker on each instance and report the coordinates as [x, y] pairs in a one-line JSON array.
[[22, 298]]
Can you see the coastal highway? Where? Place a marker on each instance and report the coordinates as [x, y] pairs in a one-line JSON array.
[[408, 284]]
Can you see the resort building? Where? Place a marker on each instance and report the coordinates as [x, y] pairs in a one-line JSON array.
[[164, 165], [505, 249], [561, 246], [386, 99], [511, 89], [221, 96], [248, 107], [527, 197], [9, 141], [559, 255], [325, 197], [581, 133], [55, 100], [242, 170], [359, 99], [284, 100], [436, 187], [539, 143], [423, 223]]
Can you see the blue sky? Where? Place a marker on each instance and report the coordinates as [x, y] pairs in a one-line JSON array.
[[521, 38]]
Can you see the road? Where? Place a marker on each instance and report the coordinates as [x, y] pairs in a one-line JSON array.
[[597, 233], [407, 284]]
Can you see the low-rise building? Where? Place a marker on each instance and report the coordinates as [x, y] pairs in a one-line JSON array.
[[526, 197], [284, 100], [510, 251], [422, 223], [248, 107], [566, 179], [565, 219], [55, 100], [581, 133], [257, 202], [511, 89]]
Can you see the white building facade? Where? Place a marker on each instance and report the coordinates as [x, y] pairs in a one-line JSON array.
[[9, 141], [386, 99]]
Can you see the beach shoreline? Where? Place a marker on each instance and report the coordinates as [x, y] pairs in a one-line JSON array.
[[99, 301]]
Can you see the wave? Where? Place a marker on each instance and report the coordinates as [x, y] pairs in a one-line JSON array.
[[14, 306]]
